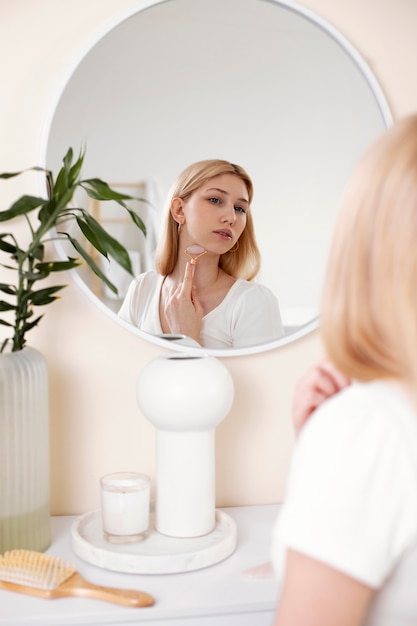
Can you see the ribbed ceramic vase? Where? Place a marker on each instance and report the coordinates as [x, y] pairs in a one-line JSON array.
[[24, 451]]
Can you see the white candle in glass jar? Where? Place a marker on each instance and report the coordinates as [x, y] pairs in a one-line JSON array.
[[125, 503]]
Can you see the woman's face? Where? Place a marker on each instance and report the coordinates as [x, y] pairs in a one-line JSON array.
[[215, 213]]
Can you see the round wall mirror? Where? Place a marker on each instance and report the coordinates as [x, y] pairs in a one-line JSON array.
[[262, 83]]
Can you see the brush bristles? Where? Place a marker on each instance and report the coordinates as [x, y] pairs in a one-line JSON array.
[[34, 569]]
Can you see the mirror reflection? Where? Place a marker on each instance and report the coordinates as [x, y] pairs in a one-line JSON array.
[[257, 83], [206, 260]]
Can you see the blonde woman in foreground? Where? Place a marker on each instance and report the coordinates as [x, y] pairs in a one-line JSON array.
[[345, 543]]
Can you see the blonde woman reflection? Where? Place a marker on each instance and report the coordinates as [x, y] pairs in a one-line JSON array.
[[214, 300], [345, 543]]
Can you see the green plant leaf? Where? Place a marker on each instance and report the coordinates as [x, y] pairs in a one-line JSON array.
[[92, 232], [36, 168], [29, 325], [137, 220], [38, 252], [57, 266], [99, 190], [6, 306], [46, 211], [27, 260], [67, 160], [68, 174], [4, 323], [91, 263], [22, 206], [107, 243], [43, 296], [9, 289], [52, 208], [75, 169], [62, 180], [10, 174], [5, 245]]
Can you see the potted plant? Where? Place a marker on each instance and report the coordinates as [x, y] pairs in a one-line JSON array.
[[24, 419]]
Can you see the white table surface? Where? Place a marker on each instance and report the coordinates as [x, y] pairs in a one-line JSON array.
[[220, 595]]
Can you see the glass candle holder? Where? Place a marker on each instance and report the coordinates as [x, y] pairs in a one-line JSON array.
[[125, 503]]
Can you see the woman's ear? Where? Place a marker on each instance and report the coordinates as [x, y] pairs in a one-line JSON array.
[[177, 210]]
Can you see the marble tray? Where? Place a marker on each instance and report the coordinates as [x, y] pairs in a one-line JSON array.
[[157, 553]]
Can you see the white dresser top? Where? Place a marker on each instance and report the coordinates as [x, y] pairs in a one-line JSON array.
[[220, 595]]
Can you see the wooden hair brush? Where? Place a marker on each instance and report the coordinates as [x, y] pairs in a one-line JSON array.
[[45, 576]]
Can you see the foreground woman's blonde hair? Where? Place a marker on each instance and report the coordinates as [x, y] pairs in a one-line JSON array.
[[369, 306], [243, 262]]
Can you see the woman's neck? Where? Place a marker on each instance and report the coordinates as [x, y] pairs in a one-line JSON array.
[[206, 272]]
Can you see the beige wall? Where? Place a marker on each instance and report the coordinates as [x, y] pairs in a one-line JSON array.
[[96, 426]]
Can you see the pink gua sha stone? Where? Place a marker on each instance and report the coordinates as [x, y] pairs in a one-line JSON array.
[[195, 252]]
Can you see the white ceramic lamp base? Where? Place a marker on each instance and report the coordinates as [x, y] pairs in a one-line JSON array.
[[185, 398]]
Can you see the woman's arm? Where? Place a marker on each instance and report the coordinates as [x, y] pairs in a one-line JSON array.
[[315, 594]]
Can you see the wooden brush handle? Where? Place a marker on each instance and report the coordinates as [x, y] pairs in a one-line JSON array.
[[77, 586]]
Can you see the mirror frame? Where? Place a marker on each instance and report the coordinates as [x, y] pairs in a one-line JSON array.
[[118, 18]]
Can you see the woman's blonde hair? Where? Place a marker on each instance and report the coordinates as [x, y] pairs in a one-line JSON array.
[[369, 304], [244, 262]]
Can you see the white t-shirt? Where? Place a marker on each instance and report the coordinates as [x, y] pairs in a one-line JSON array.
[[248, 315], [351, 498]]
